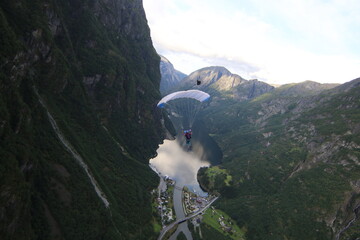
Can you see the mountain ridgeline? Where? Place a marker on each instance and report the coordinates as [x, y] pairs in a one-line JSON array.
[[221, 83], [79, 83], [292, 154]]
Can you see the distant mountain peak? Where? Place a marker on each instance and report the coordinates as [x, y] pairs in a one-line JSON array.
[[215, 69], [170, 77], [219, 80], [219, 77]]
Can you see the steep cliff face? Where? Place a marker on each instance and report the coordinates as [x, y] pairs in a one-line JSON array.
[[79, 84]]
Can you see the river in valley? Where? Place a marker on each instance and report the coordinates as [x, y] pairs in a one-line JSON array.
[[175, 160]]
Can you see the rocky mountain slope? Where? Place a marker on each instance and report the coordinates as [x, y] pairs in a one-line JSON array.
[[221, 83], [293, 155], [170, 77], [79, 85], [302, 89]]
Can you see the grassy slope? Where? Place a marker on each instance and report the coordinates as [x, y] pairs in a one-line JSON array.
[[211, 218]]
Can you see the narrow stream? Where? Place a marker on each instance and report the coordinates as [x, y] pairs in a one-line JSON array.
[[75, 154], [356, 212]]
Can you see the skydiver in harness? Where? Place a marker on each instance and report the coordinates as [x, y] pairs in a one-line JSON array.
[[187, 134], [198, 81]]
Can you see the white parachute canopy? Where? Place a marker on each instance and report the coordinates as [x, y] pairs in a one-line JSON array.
[[184, 105]]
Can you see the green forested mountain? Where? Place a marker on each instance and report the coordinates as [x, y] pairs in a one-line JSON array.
[[293, 156], [79, 82]]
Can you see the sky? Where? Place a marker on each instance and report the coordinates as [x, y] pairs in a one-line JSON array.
[[278, 41]]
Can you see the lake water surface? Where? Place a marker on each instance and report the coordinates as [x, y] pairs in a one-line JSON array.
[[180, 165]]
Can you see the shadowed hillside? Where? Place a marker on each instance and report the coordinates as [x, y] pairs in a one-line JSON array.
[[79, 85]]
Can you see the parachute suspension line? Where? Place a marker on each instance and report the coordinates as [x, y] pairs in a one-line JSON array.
[[188, 109], [196, 110], [183, 106], [189, 112], [191, 104], [179, 110], [183, 112], [191, 115]]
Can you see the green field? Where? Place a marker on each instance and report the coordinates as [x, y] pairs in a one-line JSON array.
[[211, 218]]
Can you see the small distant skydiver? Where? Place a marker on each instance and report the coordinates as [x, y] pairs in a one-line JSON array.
[[187, 134]]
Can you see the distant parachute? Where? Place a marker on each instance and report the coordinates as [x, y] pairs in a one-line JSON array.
[[184, 105]]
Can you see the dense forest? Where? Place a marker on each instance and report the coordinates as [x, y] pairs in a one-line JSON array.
[[292, 155], [79, 83]]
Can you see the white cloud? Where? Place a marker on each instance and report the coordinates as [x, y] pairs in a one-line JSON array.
[[277, 41]]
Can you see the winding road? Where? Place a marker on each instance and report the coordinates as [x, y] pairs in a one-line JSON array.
[[182, 220]]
